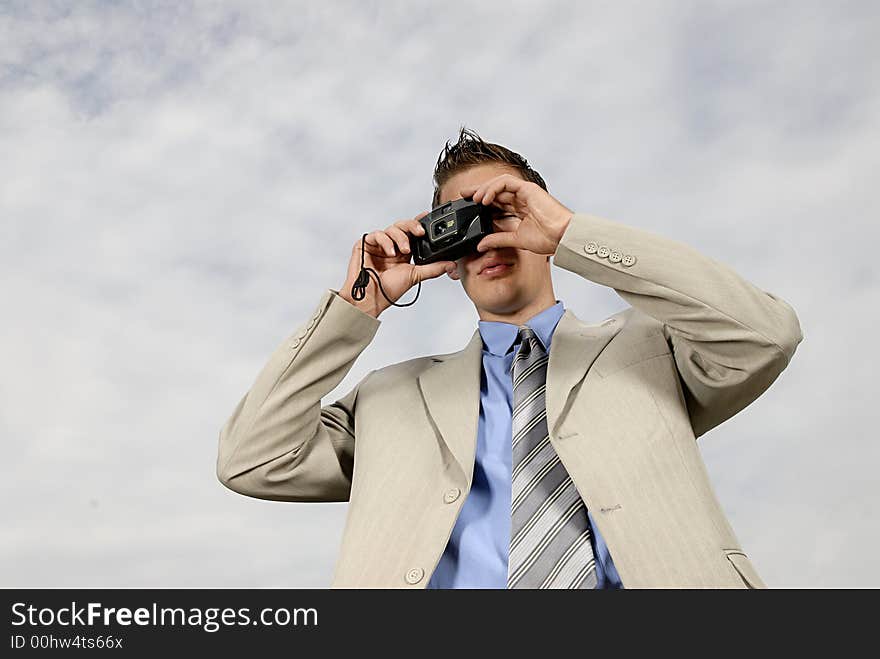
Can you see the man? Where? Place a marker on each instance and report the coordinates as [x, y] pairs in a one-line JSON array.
[[547, 453]]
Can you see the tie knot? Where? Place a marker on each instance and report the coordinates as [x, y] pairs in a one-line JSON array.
[[529, 341], [530, 349], [526, 333]]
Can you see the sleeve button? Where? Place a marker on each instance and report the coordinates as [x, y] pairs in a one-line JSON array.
[[628, 260], [603, 251], [591, 247], [615, 256]]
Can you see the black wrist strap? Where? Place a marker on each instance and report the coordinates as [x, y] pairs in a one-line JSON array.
[[359, 289]]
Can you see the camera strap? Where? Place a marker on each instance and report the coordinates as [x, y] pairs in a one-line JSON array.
[[359, 289]]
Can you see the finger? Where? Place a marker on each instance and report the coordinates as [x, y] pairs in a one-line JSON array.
[[371, 245], [480, 190], [468, 191], [380, 242], [452, 271], [431, 270], [415, 227], [505, 199], [412, 226], [399, 237], [381, 239], [497, 240], [506, 183], [489, 188]]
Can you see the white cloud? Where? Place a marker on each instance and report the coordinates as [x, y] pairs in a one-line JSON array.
[[180, 183]]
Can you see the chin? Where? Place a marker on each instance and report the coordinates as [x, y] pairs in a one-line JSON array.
[[500, 303]]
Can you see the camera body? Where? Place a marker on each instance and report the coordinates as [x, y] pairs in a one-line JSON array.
[[452, 231]]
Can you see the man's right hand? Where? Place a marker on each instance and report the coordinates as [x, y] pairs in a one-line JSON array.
[[388, 253]]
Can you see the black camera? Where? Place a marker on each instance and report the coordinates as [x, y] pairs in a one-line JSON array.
[[452, 230]]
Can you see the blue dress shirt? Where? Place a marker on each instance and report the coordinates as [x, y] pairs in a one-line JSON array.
[[477, 552]]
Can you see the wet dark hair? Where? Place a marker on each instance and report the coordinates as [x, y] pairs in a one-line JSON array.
[[471, 150]]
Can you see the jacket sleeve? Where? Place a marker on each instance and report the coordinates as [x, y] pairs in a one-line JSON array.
[[730, 339], [280, 443]]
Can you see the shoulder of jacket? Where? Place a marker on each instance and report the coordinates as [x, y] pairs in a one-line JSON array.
[[638, 322], [632, 324], [406, 369]]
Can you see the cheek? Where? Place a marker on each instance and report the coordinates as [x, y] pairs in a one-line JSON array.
[[533, 269], [462, 264]]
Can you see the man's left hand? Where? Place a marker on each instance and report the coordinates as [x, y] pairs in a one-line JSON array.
[[543, 218]]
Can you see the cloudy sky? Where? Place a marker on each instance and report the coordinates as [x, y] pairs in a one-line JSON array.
[[180, 183]]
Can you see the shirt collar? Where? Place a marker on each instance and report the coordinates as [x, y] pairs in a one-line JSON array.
[[499, 337]]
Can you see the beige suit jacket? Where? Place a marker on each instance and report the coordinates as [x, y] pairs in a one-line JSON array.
[[626, 399]]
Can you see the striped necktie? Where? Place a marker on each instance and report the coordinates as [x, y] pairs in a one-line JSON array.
[[549, 530]]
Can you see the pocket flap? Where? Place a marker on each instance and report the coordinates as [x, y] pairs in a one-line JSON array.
[[744, 567]]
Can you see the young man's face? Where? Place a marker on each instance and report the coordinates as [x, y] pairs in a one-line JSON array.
[[509, 289]]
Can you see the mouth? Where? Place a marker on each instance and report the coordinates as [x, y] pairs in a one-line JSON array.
[[497, 269]]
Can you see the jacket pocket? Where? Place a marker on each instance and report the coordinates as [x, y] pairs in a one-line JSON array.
[[744, 568]]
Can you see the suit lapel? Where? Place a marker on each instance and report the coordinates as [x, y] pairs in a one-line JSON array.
[[574, 348], [451, 387]]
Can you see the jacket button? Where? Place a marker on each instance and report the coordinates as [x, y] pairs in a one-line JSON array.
[[603, 251], [628, 260], [451, 495], [615, 256], [414, 575], [591, 247]]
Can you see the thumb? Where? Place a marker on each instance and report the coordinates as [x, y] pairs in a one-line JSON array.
[[498, 239], [431, 270]]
